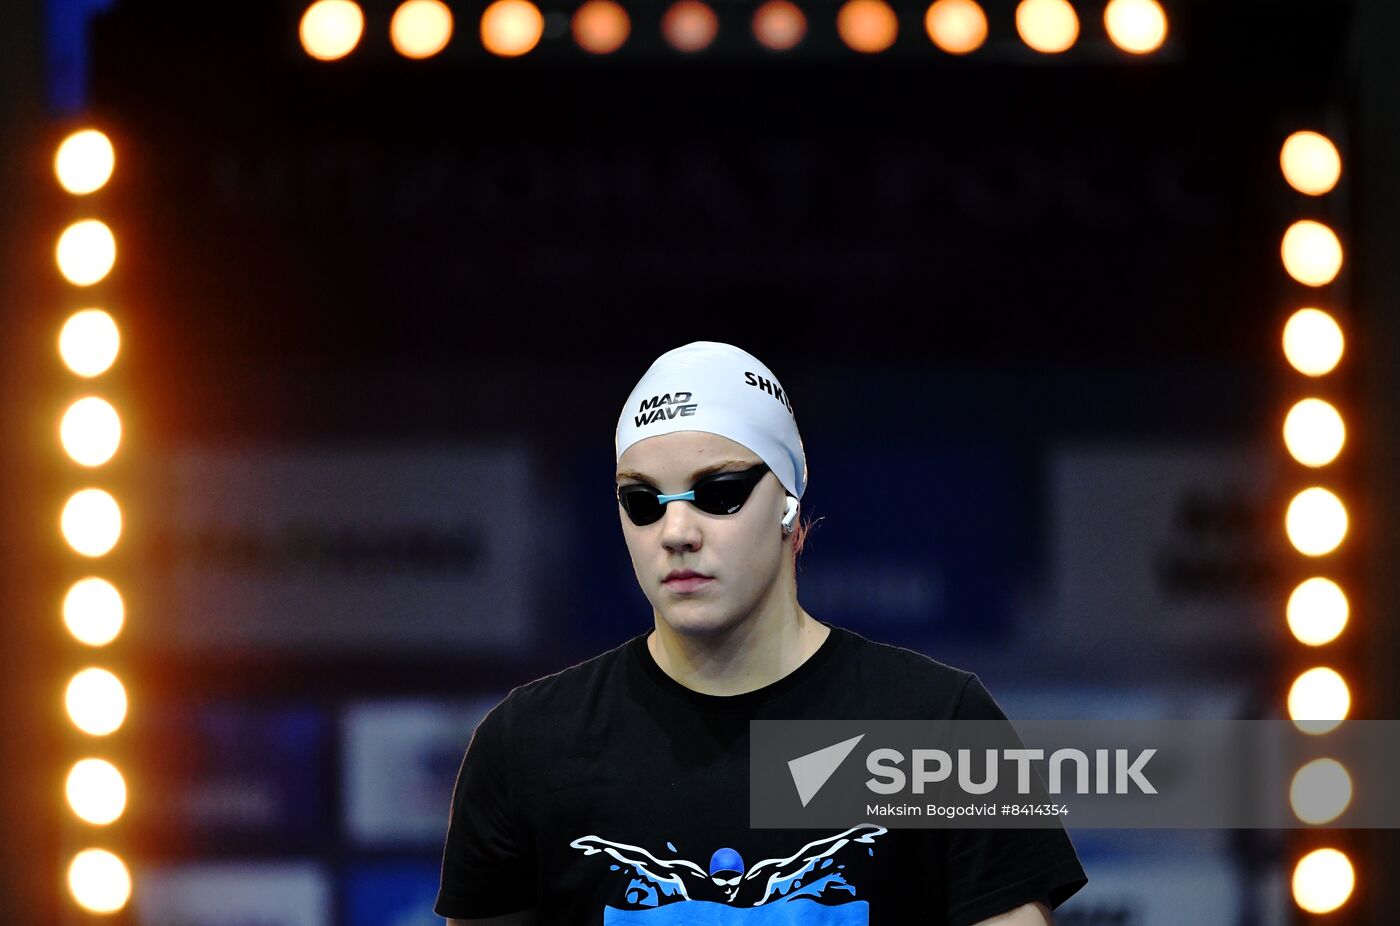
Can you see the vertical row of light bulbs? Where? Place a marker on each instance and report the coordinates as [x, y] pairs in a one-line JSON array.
[[332, 29], [89, 433], [1316, 522]]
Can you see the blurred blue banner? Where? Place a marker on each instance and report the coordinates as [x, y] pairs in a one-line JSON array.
[[392, 894], [222, 770]]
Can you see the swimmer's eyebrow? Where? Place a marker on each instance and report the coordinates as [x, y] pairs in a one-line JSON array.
[[705, 471]]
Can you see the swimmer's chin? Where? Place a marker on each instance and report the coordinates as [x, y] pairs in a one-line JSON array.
[[698, 625]]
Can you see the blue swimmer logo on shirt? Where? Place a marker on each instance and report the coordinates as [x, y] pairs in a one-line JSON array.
[[679, 892]]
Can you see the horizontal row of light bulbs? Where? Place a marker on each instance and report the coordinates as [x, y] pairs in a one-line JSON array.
[[331, 29]]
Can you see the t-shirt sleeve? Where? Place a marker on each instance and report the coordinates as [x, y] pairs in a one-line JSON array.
[[991, 871], [488, 864]]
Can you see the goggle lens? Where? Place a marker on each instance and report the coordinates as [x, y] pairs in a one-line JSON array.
[[721, 493]]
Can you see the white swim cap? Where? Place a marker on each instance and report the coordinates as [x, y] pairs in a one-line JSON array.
[[720, 389]]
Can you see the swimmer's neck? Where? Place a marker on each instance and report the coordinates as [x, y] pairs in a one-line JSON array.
[[751, 654]]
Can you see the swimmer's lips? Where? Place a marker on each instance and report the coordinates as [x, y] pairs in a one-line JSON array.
[[686, 580]]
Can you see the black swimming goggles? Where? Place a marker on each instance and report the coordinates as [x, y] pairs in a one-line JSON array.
[[718, 493]]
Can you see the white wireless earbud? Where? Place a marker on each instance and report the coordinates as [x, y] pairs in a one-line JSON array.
[[790, 515]]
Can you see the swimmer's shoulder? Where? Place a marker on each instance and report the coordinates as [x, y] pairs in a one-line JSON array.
[[567, 690], [896, 675]]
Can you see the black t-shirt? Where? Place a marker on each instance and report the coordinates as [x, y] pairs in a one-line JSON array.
[[593, 794]]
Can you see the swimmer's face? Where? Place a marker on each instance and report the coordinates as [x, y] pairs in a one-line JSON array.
[[742, 552]]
